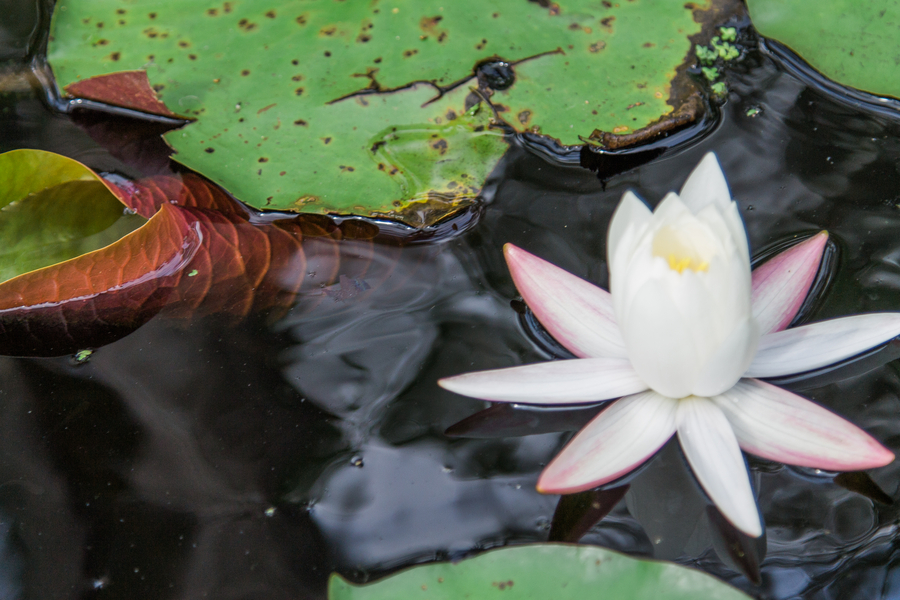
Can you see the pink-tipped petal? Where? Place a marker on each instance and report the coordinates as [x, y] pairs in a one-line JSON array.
[[574, 381], [578, 314], [616, 442], [779, 425], [780, 284], [821, 344], [715, 457]]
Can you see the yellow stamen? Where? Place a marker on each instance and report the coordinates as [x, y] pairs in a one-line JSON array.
[[679, 264]]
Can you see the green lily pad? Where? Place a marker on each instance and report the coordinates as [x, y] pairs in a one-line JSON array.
[[851, 42], [539, 572], [375, 109], [53, 208]]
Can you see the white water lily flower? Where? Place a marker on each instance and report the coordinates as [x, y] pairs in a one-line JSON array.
[[681, 338]]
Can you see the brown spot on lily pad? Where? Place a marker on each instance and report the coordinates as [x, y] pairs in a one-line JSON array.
[[597, 46], [440, 146]]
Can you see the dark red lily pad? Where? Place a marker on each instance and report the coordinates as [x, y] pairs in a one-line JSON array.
[[198, 254], [99, 297]]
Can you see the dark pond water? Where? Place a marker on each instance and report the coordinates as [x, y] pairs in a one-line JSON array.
[[207, 459]]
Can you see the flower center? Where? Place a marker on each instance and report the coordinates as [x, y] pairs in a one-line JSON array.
[[687, 247]]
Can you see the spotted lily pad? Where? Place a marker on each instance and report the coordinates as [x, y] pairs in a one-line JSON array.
[[853, 43], [399, 110], [542, 571]]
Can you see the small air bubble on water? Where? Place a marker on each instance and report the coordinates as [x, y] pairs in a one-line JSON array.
[[99, 583]]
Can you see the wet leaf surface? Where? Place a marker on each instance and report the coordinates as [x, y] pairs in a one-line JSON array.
[[52, 209], [542, 571], [99, 297], [198, 254], [397, 111]]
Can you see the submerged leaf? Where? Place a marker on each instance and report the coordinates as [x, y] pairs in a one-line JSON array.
[[198, 254], [99, 297]]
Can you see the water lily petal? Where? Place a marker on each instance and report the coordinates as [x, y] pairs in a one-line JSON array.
[[779, 425], [706, 185], [715, 457], [617, 441], [780, 284], [819, 344], [556, 382], [659, 341], [632, 213], [734, 356], [578, 314]]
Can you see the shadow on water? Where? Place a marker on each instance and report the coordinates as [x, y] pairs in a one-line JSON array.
[[195, 459]]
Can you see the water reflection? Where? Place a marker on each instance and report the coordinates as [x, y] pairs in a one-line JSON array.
[[198, 459]]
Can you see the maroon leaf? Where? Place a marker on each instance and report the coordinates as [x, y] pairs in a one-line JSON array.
[[128, 89], [199, 254], [146, 195], [98, 297]]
